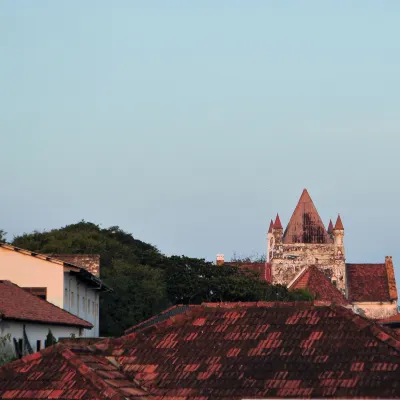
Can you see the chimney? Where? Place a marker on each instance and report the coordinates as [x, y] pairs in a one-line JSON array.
[[220, 259]]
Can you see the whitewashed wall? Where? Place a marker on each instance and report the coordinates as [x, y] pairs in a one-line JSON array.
[[82, 301], [36, 332]]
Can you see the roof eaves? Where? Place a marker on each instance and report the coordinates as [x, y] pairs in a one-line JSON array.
[[85, 324], [101, 285]]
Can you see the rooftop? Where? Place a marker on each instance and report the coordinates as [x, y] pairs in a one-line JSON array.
[[18, 304], [318, 285], [223, 351]]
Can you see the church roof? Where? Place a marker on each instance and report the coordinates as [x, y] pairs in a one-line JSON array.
[[305, 225], [318, 285], [271, 225], [222, 351]]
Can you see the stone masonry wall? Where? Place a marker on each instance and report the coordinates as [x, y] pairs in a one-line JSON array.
[[376, 310], [290, 259]]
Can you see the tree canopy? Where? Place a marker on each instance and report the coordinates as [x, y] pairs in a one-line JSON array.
[[144, 280]]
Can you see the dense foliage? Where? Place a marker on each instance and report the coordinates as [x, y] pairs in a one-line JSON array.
[[146, 281]]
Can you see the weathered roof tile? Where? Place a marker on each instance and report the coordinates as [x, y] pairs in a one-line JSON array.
[[18, 304]]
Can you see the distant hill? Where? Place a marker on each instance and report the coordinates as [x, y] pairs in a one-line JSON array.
[[144, 280]]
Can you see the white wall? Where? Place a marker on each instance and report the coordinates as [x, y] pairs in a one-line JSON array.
[[37, 332], [27, 271], [82, 301]]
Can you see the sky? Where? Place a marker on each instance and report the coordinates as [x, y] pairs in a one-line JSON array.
[[190, 124]]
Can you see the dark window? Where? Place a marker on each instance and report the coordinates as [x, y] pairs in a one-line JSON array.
[[20, 346], [37, 291], [38, 345]]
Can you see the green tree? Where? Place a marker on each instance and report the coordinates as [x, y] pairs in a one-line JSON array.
[[146, 281]]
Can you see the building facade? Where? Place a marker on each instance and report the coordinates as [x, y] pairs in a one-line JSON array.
[[68, 286], [306, 243], [27, 320]]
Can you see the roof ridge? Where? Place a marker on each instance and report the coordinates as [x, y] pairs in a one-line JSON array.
[[372, 327], [298, 276], [154, 317], [88, 373], [52, 305]]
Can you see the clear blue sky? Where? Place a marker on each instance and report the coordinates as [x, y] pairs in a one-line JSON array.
[[190, 124]]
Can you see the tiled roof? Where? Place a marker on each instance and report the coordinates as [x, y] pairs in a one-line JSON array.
[[305, 225], [18, 304], [394, 319], [371, 282], [170, 312], [59, 373], [319, 285], [225, 351]]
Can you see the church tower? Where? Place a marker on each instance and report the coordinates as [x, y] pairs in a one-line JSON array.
[[306, 242]]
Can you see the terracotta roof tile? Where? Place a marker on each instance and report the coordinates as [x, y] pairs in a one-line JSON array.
[[59, 373], [369, 282], [18, 304], [319, 285], [225, 351], [305, 225]]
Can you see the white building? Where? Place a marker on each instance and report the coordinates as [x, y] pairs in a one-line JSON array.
[[28, 319], [66, 285]]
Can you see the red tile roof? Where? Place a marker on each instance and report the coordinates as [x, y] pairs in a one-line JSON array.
[[271, 225], [18, 304], [305, 225], [224, 351], [277, 223], [60, 373], [370, 283], [395, 319], [319, 285], [339, 224]]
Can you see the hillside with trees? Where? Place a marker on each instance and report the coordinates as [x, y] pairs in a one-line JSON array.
[[144, 280]]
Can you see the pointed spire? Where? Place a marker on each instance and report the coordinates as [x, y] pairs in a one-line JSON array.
[[330, 227], [278, 224], [339, 224], [305, 197], [305, 225], [271, 225]]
